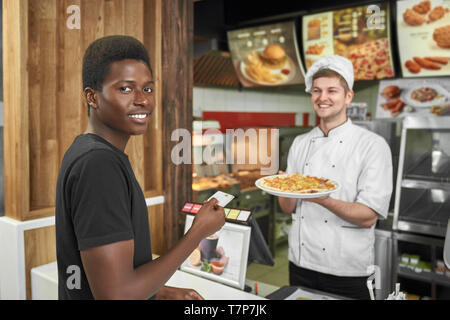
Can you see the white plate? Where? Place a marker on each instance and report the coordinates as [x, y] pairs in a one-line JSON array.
[[293, 194], [406, 95], [288, 66]]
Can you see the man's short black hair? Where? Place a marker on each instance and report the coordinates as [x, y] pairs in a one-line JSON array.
[[104, 51]]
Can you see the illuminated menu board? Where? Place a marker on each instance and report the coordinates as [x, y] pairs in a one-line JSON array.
[[360, 34], [423, 32], [266, 55]]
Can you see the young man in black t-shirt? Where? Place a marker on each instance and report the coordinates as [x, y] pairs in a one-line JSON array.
[[102, 231]]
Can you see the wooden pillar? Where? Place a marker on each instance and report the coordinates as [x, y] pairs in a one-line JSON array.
[[177, 90]]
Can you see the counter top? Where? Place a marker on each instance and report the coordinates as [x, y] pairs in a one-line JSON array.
[[44, 281], [210, 290]]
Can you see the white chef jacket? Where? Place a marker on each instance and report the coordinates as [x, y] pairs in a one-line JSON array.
[[360, 161]]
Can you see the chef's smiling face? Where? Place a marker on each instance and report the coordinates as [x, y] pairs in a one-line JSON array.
[[126, 100], [330, 99]]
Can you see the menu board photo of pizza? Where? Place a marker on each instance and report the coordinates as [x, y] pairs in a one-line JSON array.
[[360, 34], [266, 55], [423, 29]]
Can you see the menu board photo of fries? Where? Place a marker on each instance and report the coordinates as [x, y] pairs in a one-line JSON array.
[[423, 29], [361, 34], [266, 55]]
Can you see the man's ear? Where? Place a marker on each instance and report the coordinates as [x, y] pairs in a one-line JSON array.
[[91, 97], [349, 96]]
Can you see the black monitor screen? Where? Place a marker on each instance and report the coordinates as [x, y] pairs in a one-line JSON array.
[[259, 251]]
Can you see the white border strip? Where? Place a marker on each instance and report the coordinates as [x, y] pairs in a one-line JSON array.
[[12, 255]]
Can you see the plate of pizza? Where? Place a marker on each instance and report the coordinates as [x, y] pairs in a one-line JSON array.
[[297, 185]]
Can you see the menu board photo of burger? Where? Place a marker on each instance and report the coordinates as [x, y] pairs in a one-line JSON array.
[[423, 29], [266, 55], [360, 34]]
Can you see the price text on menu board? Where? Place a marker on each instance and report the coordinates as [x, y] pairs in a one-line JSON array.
[[360, 34], [423, 29]]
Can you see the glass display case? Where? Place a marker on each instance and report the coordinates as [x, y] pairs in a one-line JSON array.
[[422, 203]]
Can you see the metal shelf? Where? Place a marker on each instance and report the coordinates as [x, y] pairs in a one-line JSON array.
[[430, 276], [426, 183]]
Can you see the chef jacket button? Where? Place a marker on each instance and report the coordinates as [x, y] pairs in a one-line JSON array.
[[303, 244], [323, 249], [333, 166], [326, 221], [340, 141], [303, 217]]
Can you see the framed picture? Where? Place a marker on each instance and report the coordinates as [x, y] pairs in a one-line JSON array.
[[221, 257]]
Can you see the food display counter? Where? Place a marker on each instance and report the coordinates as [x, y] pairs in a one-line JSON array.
[[423, 182], [422, 207]]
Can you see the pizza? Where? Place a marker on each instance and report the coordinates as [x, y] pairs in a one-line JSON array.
[[298, 183], [371, 59]]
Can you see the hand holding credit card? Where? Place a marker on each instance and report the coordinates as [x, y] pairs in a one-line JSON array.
[[222, 197]]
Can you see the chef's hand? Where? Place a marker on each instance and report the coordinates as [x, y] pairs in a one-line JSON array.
[[172, 293], [319, 200], [287, 205], [210, 218]]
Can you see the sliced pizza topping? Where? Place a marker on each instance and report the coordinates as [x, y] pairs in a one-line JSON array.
[[299, 183]]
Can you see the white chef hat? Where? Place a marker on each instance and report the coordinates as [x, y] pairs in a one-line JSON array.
[[341, 65]]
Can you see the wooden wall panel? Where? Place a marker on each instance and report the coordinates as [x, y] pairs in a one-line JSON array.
[[153, 146], [177, 90], [44, 103], [44, 107], [15, 93], [40, 249], [71, 111], [155, 216]]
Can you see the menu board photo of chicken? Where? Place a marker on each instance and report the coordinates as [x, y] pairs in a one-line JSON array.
[[360, 34], [266, 55], [423, 29]]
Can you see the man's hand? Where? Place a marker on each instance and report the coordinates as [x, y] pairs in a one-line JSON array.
[[210, 218], [319, 200], [287, 205], [173, 293]]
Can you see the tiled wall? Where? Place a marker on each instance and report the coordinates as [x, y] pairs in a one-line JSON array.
[[270, 100]]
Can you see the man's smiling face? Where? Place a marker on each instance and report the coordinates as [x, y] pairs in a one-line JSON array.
[[126, 100], [330, 99]]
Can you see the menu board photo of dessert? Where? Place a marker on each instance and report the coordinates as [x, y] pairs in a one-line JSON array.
[[266, 55], [423, 29], [360, 34]]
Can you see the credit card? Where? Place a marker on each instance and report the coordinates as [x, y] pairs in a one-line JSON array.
[[222, 197]]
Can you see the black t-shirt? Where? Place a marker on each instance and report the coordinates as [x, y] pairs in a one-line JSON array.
[[98, 202]]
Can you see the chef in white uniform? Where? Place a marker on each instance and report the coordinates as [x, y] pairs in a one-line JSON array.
[[331, 242]]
